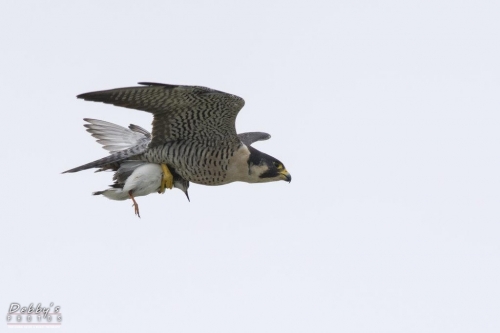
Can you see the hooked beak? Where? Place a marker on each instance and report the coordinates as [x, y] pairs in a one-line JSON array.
[[286, 176]]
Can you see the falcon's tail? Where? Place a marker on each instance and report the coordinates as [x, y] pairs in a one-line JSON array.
[[106, 161]]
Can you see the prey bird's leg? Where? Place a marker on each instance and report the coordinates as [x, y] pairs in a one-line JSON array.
[[136, 206], [167, 180]]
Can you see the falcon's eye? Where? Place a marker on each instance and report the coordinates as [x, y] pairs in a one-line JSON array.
[[277, 165]]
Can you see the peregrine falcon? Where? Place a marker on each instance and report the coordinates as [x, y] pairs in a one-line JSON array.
[[193, 133], [135, 178]]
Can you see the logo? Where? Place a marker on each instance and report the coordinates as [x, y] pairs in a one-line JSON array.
[[34, 316]]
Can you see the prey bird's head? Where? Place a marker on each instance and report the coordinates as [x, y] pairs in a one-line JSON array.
[[264, 168], [182, 185], [180, 182]]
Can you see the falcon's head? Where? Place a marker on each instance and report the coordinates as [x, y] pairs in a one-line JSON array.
[[264, 168]]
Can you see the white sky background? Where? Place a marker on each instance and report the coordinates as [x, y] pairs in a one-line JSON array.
[[386, 113]]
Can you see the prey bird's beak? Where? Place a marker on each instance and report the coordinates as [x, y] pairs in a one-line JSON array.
[[286, 175], [187, 195]]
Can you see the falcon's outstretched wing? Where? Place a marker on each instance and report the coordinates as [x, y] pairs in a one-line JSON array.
[[180, 112], [250, 137]]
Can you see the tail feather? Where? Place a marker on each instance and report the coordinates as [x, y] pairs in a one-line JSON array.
[[97, 163], [113, 158]]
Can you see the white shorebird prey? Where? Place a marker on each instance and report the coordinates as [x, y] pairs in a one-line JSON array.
[[135, 179], [132, 178]]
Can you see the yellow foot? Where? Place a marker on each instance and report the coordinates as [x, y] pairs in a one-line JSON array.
[[167, 180]]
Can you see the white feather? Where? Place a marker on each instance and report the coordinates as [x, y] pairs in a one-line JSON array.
[[144, 180], [115, 137]]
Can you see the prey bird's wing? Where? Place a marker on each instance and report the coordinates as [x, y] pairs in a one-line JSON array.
[[114, 137], [180, 112], [122, 143], [250, 137], [125, 170]]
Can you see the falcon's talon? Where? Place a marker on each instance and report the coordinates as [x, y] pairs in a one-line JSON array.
[[167, 180]]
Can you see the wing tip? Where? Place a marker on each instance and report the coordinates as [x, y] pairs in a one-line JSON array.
[[91, 96], [84, 96]]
